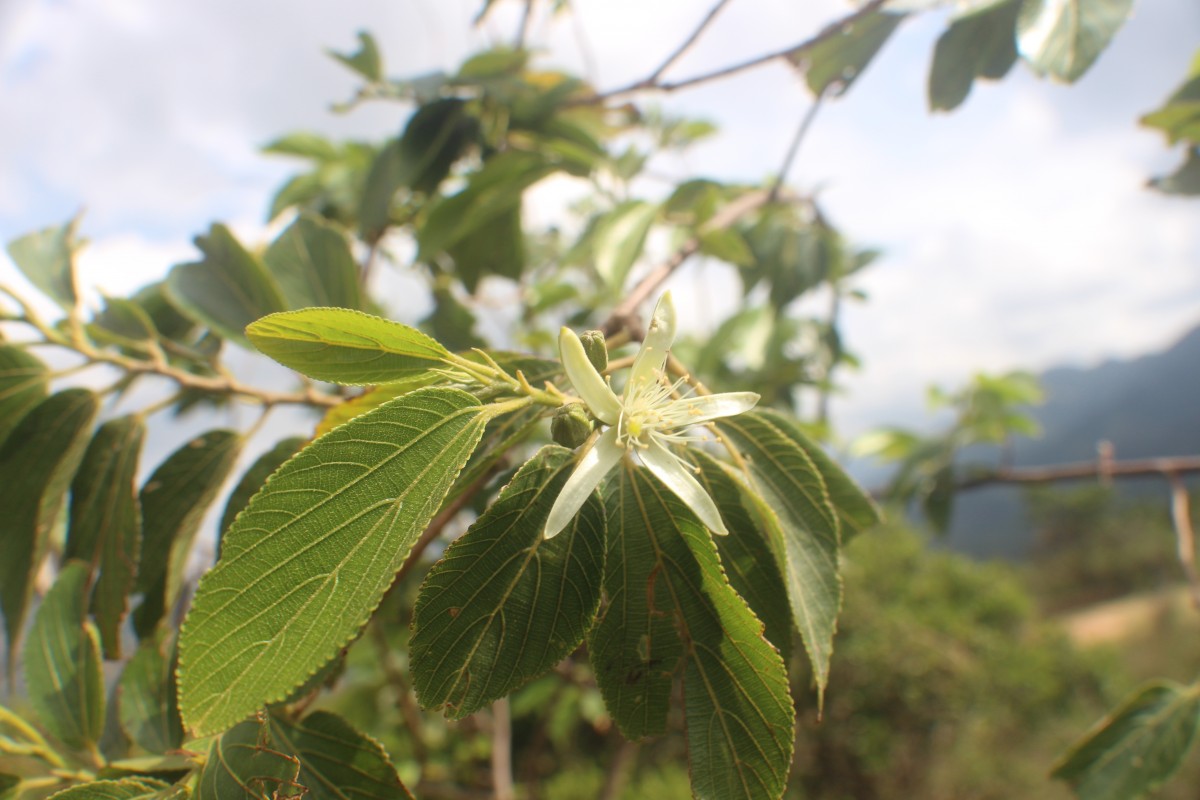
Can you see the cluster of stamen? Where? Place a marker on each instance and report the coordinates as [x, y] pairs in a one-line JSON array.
[[647, 414]]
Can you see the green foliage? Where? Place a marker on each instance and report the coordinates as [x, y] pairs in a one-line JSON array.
[[47, 259], [1063, 38], [1179, 120]]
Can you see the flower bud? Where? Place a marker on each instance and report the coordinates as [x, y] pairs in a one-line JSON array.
[[596, 349], [570, 426]]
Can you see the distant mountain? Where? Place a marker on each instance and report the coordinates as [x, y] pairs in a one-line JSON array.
[[1146, 406]]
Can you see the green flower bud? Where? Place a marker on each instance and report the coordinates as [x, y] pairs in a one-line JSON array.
[[596, 349], [571, 425]]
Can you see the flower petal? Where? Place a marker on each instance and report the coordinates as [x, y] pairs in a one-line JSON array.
[[592, 467], [653, 354], [590, 385], [694, 410], [680, 481]]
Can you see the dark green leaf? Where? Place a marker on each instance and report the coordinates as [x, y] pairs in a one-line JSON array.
[[1185, 180], [837, 61], [343, 346], [123, 789], [789, 501], [148, 709], [504, 604], [254, 478], [62, 662], [727, 245], [437, 135], [174, 502], [978, 44], [123, 322], [451, 322], [312, 263], [1063, 38], [1137, 746], [738, 712], [37, 462], [337, 762], [497, 247], [228, 289], [47, 259], [306, 563], [365, 61], [22, 386], [20, 739], [243, 764], [105, 527]]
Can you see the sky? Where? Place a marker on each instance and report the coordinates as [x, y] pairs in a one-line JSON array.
[[1016, 231]]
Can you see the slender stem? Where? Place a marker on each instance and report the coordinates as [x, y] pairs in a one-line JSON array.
[[502, 775], [618, 770], [1085, 469], [1185, 537], [523, 30], [806, 122], [688, 42]]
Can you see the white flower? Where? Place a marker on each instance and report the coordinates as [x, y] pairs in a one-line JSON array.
[[646, 420]]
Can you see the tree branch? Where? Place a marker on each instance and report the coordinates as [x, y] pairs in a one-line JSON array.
[[1160, 467], [502, 776], [688, 42], [1185, 537]]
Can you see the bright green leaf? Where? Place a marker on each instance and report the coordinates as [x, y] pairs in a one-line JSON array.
[[174, 502], [243, 764], [504, 605], [618, 239], [366, 60], [978, 44], [47, 259], [22, 386], [1137, 746], [306, 563], [312, 264], [20, 739], [789, 501], [228, 289], [62, 662], [302, 144], [727, 245], [148, 709], [254, 478], [837, 61], [1063, 38], [337, 762], [343, 346], [105, 527], [37, 462], [122, 789]]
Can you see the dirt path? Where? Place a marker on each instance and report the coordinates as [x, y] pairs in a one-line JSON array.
[[1118, 619]]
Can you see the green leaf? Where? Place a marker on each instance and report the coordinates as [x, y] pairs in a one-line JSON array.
[[496, 247], [337, 762], [174, 502], [738, 712], [22, 386], [228, 289], [504, 605], [243, 763], [372, 399], [437, 135], [342, 346], [47, 259], [1179, 117], [254, 478], [62, 662], [312, 263], [123, 789], [124, 323], [303, 144], [837, 61], [37, 462], [20, 739], [105, 527], [365, 60], [619, 238], [148, 709], [856, 511], [451, 322], [727, 245], [789, 501], [1063, 38], [1185, 180], [746, 555], [978, 44], [306, 563], [1136, 747]]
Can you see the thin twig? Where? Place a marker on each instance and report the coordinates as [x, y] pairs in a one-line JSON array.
[[805, 124], [523, 30], [1161, 467], [1185, 537], [404, 697], [688, 42], [828, 32], [618, 770], [502, 775]]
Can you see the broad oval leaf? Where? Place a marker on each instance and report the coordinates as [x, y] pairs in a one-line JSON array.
[[37, 462], [337, 762], [504, 604], [978, 44], [837, 61], [105, 526], [252, 480], [1136, 747], [228, 289], [618, 239], [62, 662], [242, 763], [22, 386], [343, 346], [1063, 38], [148, 709], [788, 499], [174, 501], [738, 711], [47, 259], [312, 263], [306, 563], [122, 789]]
